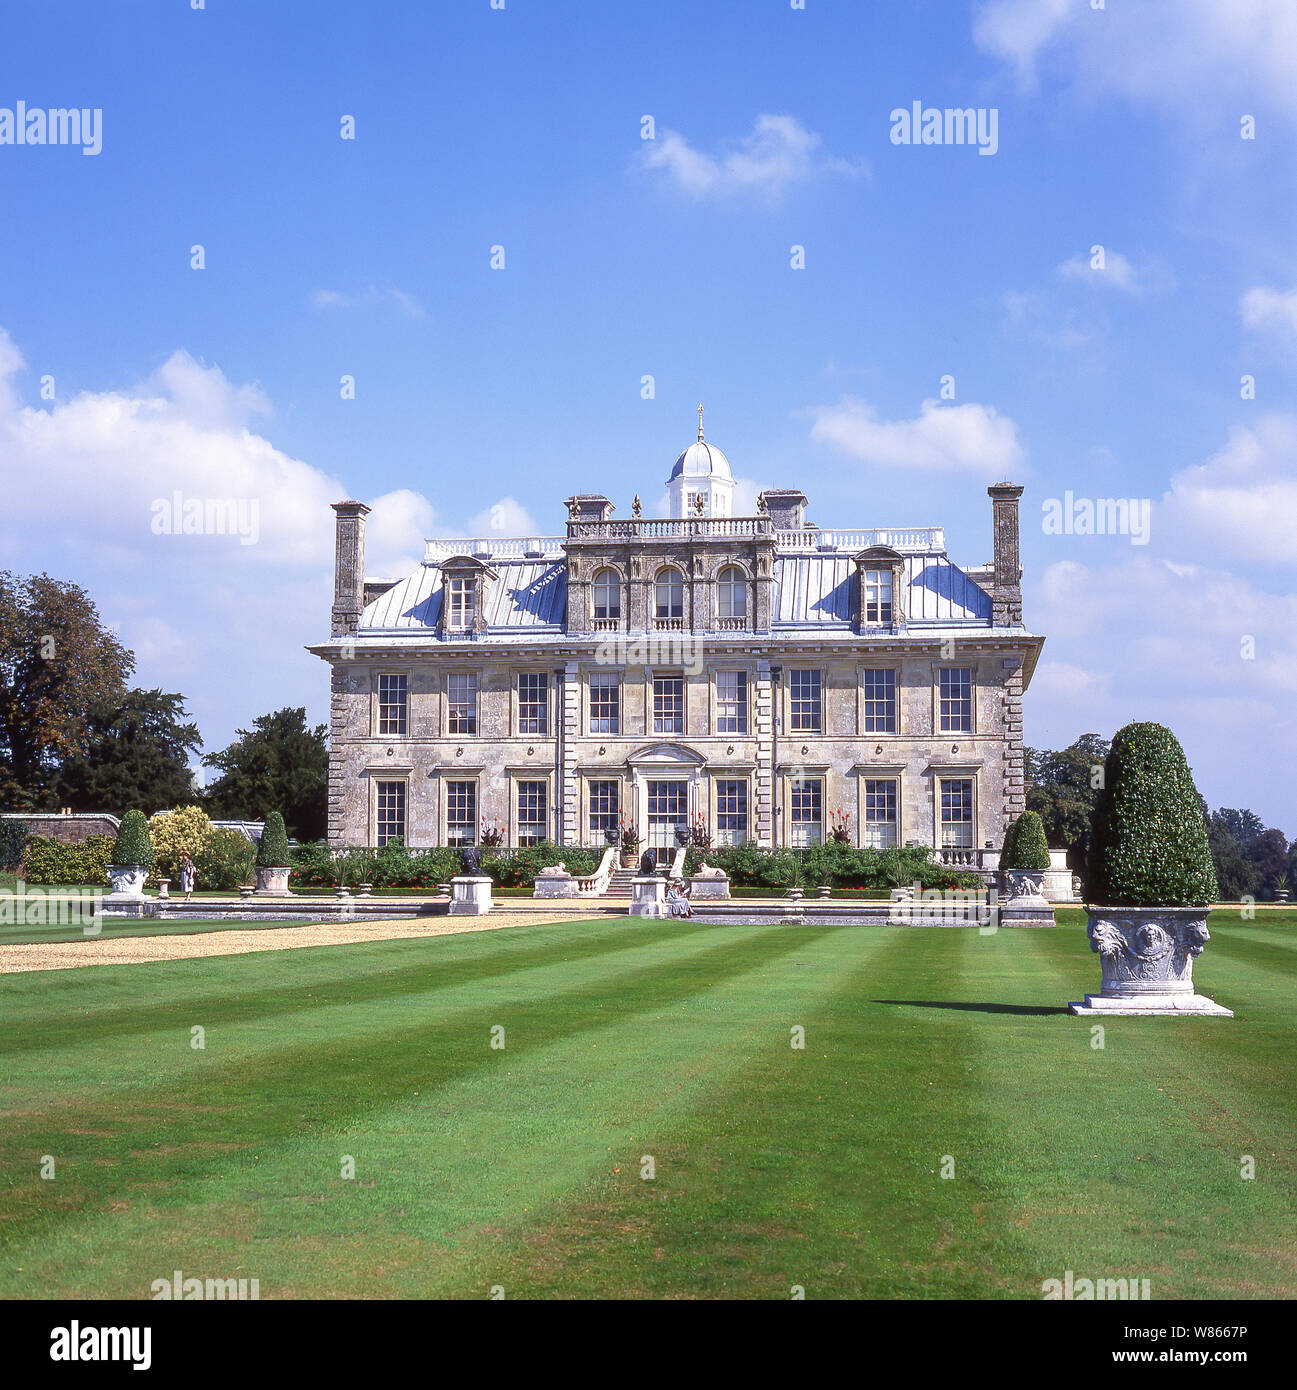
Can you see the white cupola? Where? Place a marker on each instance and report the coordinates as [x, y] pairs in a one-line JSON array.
[[701, 471]]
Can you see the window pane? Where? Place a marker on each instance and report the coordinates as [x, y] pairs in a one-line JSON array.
[[804, 700], [461, 701], [462, 595], [531, 812], [957, 813], [731, 812], [806, 797], [533, 693], [461, 813], [668, 705], [878, 596], [391, 705], [956, 692], [880, 813], [605, 806], [670, 594], [731, 702], [605, 703], [880, 702], [391, 812]]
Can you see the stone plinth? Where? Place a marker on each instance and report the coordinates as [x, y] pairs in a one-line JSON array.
[[272, 883], [648, 897], [1147, 955], [709, 883], [1021, 902], [470, 896], [554, 882], [1056, 886]]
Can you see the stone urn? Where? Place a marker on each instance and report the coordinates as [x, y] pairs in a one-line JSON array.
[[629, 857], [272, 883], [1146, 956], [1281, 895], [128, 879], [824, 890], [794, 894]]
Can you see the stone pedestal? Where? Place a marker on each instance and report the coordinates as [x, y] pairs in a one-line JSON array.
[[648, 897], [1057, 884], [272, 883], [164, 888], [127, 898], [554, 882], [1147, 956], [709, 884], [470, 895], [1021, 901]]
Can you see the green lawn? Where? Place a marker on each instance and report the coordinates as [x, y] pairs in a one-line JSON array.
[[774, 1167]]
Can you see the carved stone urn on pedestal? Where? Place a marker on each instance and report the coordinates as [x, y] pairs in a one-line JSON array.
[[1146, 956]]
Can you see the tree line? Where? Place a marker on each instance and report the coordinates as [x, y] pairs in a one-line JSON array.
[[1251, 859], [75, 733]]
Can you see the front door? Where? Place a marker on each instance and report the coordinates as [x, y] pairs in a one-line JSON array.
[[668, 811]]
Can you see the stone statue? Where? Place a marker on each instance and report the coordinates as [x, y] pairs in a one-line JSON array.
[[648, 862], [636, 510], [470, 860]]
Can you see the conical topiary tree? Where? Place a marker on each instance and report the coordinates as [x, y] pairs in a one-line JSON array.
[[1025, 845], [1008, 849], [272, 852], [1148, 847], [134, 845]]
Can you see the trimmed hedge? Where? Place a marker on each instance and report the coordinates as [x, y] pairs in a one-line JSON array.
[[395, 866], [272, 852], [838, 865], [1149, 844], [133, 846], [48, 861], [1025, 844]]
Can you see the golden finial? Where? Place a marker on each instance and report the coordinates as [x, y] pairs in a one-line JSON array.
[[700, 424]]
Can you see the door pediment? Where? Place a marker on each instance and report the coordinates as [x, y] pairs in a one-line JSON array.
[[666, 755]]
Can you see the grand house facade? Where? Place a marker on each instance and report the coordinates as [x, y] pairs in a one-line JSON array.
[[759, 675]]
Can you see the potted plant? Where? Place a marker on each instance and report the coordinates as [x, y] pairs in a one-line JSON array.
[[1281, 888], [1149, 880], [132, 857], [273, 858], [630, 842], [840, 827]]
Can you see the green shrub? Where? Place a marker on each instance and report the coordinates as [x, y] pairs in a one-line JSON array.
[[1028, 848], [1149, 843], [272, 852], [13, 840], [133, 846], [46, 861], [225, 860]]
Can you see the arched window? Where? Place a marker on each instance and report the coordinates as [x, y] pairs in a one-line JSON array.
[[607, 594], [670, 594], [732, 593]]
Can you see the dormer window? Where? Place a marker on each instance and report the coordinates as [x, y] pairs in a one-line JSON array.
[[465, 595], [877, 595]]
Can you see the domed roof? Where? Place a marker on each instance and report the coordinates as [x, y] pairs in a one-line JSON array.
[[701, 461]]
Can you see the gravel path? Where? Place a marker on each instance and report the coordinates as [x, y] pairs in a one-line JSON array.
[[135, 950]]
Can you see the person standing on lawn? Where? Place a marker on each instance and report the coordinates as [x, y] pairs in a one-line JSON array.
[[187, 876]]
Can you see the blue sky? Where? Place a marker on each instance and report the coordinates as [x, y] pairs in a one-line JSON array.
[[483, 397]]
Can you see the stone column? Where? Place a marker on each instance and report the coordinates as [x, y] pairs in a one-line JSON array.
[[348, 566], [1006, 592]]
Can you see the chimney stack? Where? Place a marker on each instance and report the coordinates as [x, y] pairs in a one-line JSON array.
[[1006, 592], [349, 567]]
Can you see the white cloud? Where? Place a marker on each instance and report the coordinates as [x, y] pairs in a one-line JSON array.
[[337, 299], [1267, 310], [778, 153], [1244, 51], [973, 438], [1242, 502], [503, 518], [1117, 273], [397, 525]]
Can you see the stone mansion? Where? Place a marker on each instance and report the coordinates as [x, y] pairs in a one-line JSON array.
[[760, 674]]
